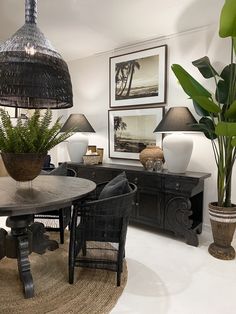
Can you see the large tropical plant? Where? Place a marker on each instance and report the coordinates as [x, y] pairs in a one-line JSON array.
[[218, 109], [34, 135]]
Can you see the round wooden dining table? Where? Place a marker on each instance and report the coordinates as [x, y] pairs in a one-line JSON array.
[[20, 201]]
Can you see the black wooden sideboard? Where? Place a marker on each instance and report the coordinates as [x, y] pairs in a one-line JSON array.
[[166, 201]]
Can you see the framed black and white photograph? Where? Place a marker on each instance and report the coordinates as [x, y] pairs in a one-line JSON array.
[[16, 112], [131, 130], [10, 110], [138, 78]]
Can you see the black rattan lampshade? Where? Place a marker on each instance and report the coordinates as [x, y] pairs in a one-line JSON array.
[[177, 119], [78, 123], [32, 73]]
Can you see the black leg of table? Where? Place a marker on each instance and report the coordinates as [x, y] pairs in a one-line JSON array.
[[72, 245], [24, 238], [3, 235], [41, 241], [24, 266], [19, 246]]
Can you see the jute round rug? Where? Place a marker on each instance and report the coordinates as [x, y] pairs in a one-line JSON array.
[[94, 291]]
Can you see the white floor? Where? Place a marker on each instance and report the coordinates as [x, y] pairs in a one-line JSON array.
[[167, 276]]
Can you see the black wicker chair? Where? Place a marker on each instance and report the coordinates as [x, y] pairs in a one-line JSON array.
[[59, 218], [98, 232]]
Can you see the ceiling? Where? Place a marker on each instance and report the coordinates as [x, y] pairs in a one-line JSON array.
[[80, 28]]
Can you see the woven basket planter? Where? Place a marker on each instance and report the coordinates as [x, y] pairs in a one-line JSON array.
[[23, 167], [223, 224]]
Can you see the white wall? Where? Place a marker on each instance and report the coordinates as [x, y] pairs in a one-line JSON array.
[[90, 78]]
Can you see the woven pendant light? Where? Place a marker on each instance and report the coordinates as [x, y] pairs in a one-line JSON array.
[[32, 73]]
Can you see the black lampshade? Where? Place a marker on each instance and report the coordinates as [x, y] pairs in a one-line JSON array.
[[177, 119], [32, 73], [78, 122]]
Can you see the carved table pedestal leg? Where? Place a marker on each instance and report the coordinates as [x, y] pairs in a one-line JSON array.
[[18, 245], [25, 237]]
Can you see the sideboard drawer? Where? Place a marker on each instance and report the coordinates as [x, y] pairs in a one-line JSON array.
[[181, 185], [95, 174], [144, 180]]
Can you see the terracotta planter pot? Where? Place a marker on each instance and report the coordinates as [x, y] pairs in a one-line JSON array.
[[223, 224], [23, 167]]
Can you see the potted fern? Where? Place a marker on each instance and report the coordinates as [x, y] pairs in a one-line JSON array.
[[218, 122], [25, 146]]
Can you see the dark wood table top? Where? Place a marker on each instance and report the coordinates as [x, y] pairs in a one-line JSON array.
[[44, 193]]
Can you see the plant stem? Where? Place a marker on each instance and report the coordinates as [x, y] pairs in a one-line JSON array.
[[228, 172]]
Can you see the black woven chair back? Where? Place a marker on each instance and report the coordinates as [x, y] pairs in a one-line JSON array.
[[71, 172], [104, 219]]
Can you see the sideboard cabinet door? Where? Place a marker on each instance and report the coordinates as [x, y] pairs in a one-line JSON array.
[[148, 199]]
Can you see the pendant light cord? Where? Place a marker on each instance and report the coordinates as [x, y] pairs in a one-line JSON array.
[[31, 11]]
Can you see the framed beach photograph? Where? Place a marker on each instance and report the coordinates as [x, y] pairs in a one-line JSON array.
[[131, 130], [138, 78]]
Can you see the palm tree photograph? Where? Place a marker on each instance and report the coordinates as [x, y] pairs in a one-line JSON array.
[[138, 77]]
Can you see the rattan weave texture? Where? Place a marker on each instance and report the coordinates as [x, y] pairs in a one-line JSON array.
[[38, 80], [95, 291]]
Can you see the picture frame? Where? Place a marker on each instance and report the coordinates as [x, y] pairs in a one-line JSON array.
[[15, 112], [10, 110], [138, 78], [131, 130]]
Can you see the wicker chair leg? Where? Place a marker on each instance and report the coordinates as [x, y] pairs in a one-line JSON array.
[[84, 248], [118, 278], [72, 247], [61, 226], [71, 261], [120, 263], [70, 221], [71, 274]]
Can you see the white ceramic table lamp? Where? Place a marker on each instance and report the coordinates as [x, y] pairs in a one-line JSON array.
[[78, 143], [177, 146]]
